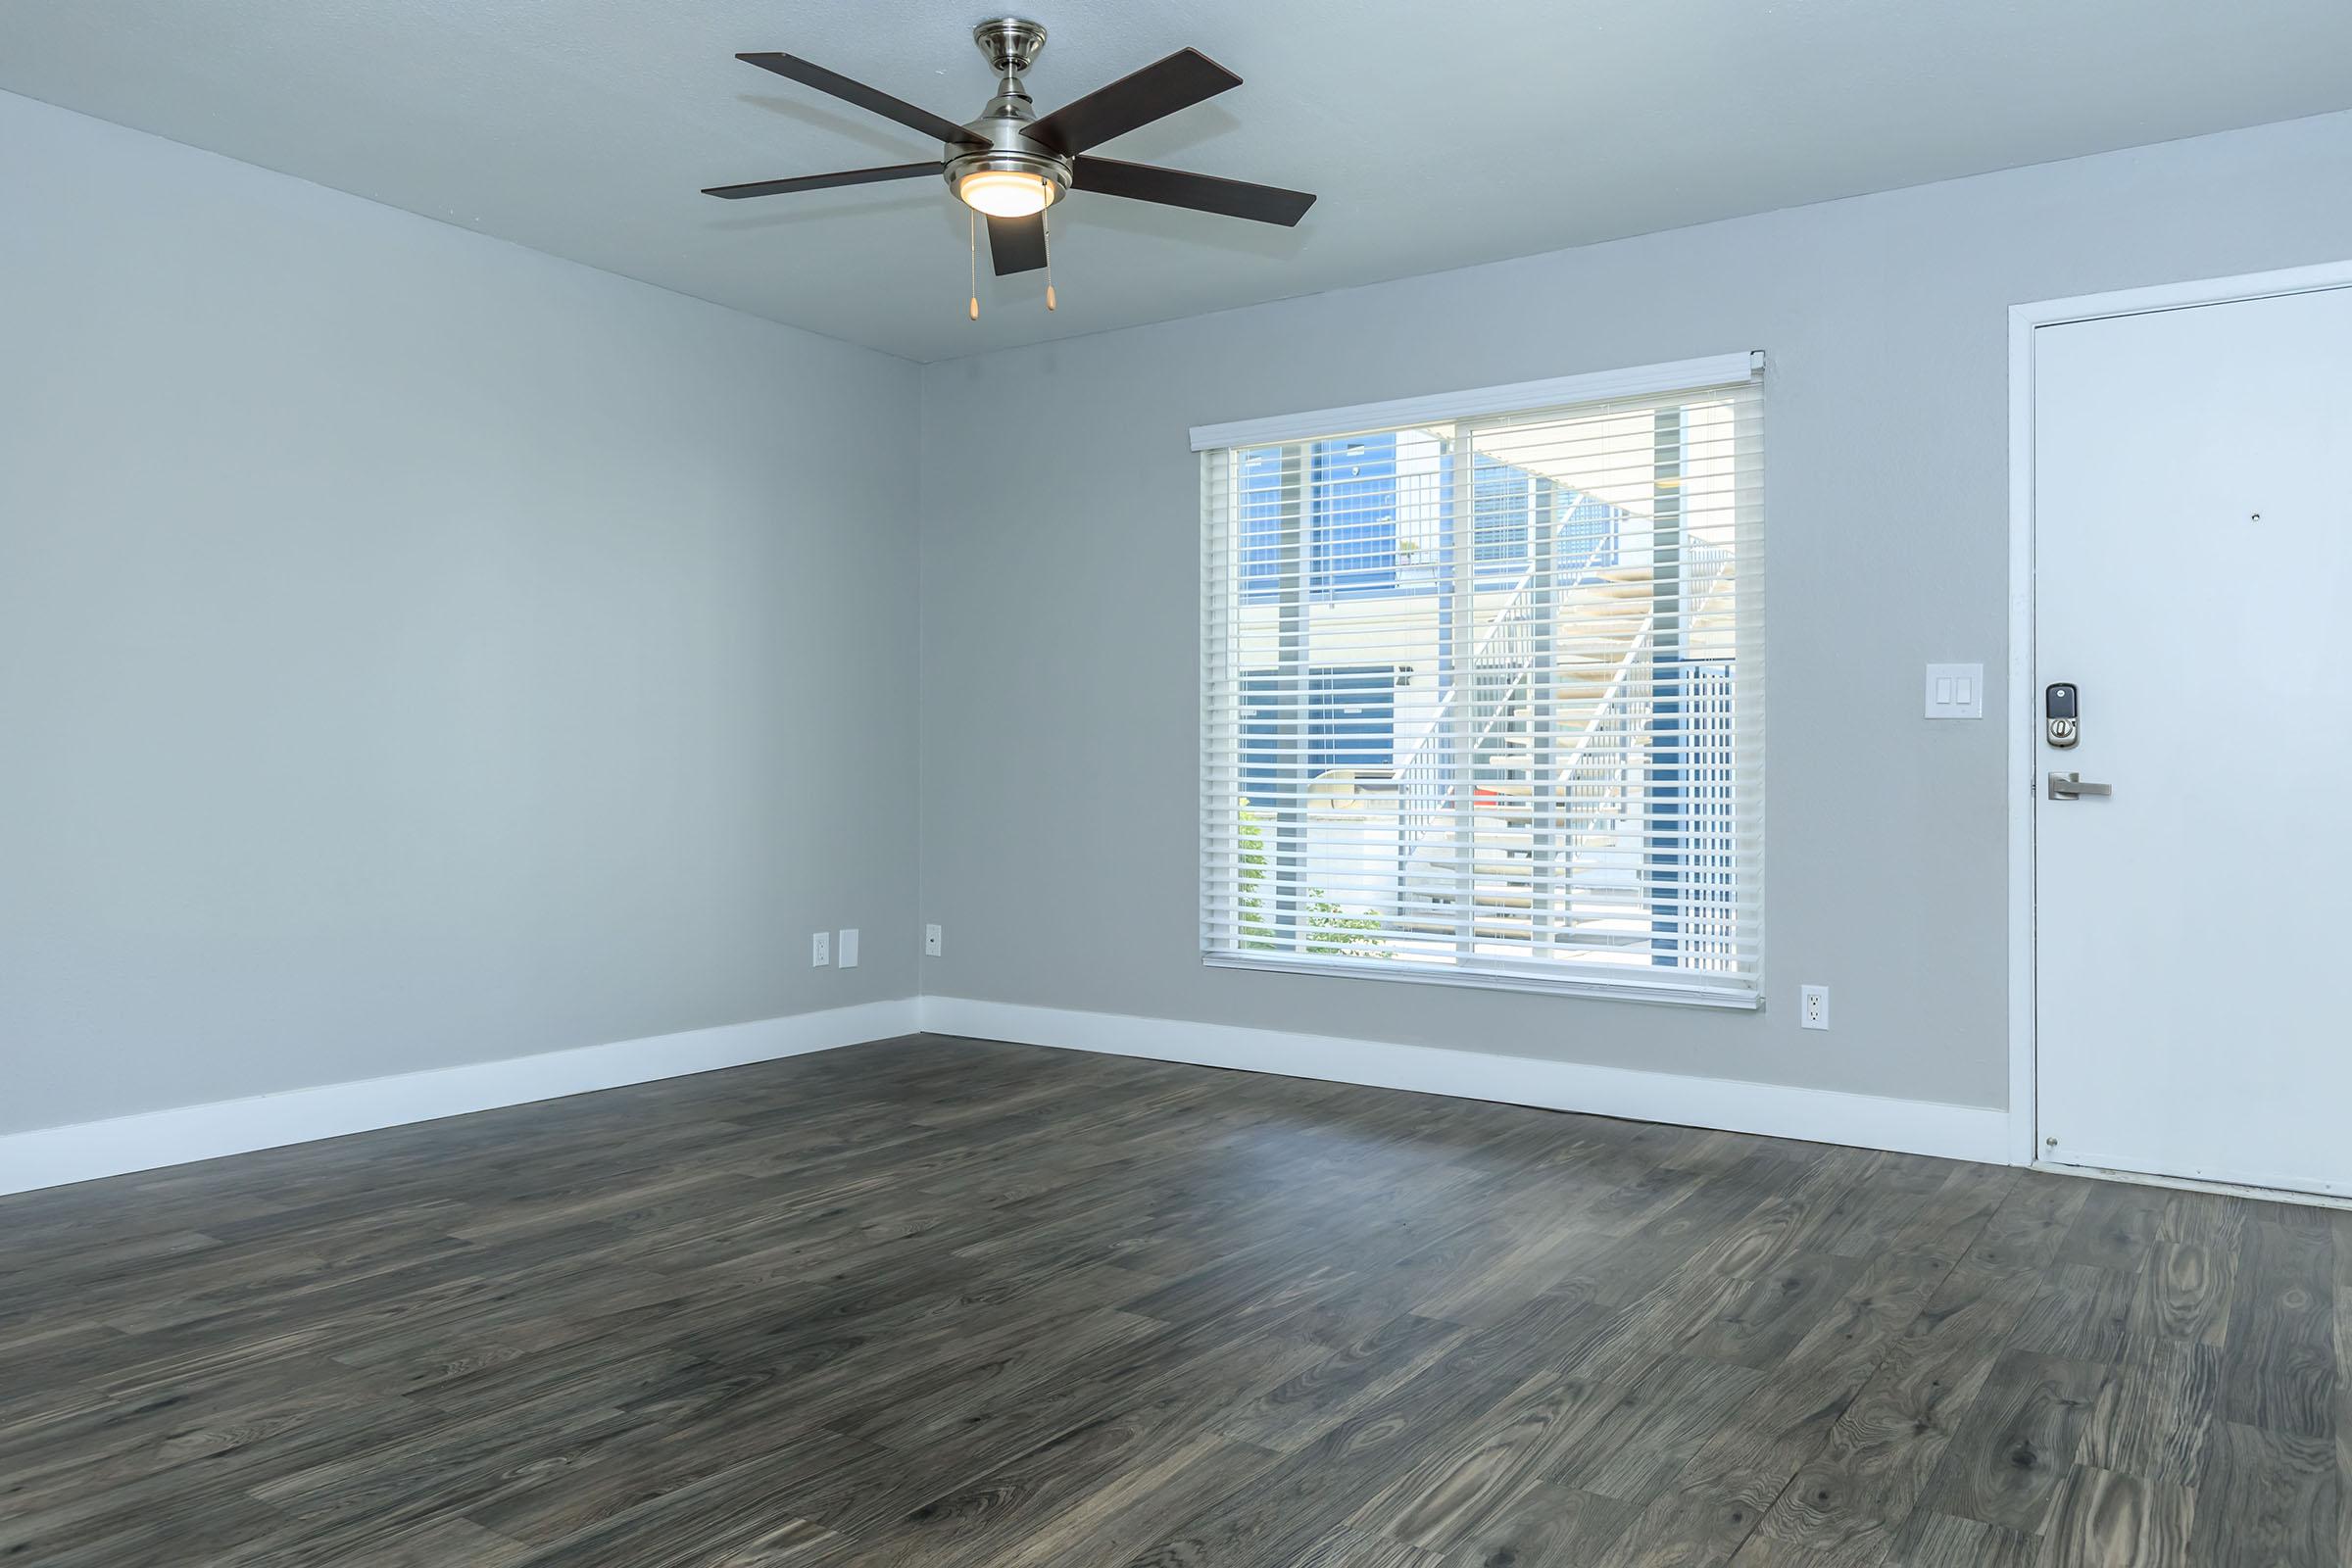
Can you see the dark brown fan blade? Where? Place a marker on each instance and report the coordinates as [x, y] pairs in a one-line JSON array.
[[1018, 244], [846, 176], [1181, 80], [1174, 187], [936, 127]]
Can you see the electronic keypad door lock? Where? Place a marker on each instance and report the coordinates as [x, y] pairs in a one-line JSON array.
[[2059, 720]]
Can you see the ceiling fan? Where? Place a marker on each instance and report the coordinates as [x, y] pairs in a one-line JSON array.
[[1008, 166]]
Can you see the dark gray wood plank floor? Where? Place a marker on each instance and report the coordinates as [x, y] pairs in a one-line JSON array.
[[949, 1304]]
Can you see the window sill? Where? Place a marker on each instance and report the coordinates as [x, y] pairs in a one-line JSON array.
[[1582, 985]]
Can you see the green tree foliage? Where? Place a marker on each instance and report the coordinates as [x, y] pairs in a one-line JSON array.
[[1330, 929]]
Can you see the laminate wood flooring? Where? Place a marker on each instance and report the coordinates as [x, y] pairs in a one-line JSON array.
[[942, 1303]]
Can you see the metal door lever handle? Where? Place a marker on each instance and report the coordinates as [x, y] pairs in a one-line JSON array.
[[2070, 787]]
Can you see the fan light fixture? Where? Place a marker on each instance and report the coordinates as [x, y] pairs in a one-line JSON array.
[[1008, 166], [1007, 192]]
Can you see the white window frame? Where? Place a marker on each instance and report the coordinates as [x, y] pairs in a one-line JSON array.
[[1572, 980]]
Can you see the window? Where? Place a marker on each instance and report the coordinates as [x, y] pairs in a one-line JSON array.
[[1484, 687]]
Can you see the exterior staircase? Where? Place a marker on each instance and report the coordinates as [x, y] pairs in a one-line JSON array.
[[1559, 816]]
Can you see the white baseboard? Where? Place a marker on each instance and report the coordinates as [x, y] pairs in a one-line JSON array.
[[51, 1157], [1817, 1115]]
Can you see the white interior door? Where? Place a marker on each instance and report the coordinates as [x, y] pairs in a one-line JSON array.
[[2193, 529]]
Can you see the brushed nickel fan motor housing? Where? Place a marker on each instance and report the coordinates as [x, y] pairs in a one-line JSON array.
[[1010, 45]]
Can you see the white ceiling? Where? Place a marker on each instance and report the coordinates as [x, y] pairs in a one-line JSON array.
[[1438, 135]]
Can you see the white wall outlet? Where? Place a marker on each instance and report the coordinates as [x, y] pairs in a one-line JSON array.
[[1955, 691], [849, 947], [930, 941], [821, 950], [1813, 1007]]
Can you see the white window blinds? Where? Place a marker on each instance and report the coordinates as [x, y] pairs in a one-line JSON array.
[[1483, 693]]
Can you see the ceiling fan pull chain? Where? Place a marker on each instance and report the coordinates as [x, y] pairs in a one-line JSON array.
[[971, 235], [1045, 232]]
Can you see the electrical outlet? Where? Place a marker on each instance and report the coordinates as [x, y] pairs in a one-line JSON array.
[[821, 950], [930, 941], [1813, 1007], [849, 947]]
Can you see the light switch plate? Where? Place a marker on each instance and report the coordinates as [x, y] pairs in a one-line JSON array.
[[845, 951], [1955, 691]]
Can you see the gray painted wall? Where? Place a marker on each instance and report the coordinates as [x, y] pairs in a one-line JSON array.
[[416, 650], [1060, 623]]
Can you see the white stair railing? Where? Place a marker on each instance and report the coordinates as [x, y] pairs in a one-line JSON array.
[[1600, 780], [1426, 782], [1603, 778], [1425, 778]]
